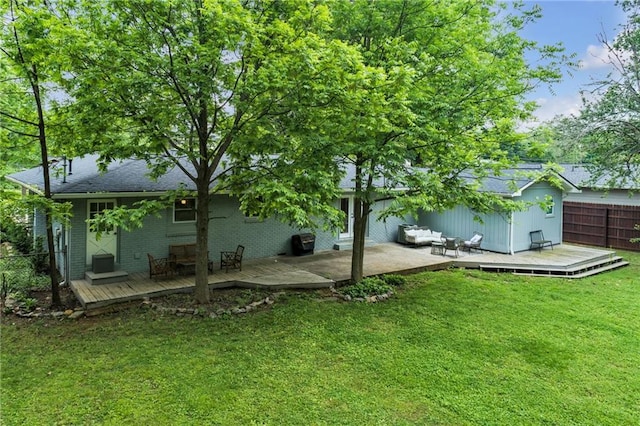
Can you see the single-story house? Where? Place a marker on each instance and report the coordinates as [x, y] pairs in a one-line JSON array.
[[125, 182], [599, 215]]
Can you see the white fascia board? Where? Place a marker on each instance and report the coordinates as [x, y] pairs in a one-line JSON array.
[[567, 186]]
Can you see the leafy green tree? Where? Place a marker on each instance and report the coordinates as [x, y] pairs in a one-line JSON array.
[[24, 74], [183, 84], [440, 86], [561, 140], [447, 97], [611, 114]]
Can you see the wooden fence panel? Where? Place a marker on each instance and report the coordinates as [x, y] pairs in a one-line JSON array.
[[602, 225]]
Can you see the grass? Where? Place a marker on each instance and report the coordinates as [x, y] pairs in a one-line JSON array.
[[452, 347]]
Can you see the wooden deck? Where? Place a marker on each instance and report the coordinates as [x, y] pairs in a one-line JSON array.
[[259, 273], [568, 261], [326, 268]]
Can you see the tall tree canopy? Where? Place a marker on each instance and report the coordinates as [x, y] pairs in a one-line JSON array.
[[25, 84], [273, 100], [611, 115], [440, 88], [182, 83]]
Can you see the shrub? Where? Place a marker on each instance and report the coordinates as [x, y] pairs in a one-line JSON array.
[[18, 276], [17, 234], [394, 280], [39, 256], [367, 287]]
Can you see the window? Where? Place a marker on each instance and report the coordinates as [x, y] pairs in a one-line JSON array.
[[251, 210], [184, 210], [95, 209], [550, 210]]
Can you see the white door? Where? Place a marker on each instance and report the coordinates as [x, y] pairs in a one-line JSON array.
[[346, 205], [108, 242]]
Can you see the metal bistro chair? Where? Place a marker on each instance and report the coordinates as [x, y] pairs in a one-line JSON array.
[[451, 243], [538, 241], [231, 259], [162, 266]]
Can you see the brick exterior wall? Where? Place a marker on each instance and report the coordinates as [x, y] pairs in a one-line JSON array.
[[228, 227]]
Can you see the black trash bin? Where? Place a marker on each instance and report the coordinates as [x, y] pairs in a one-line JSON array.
[[303, 244]]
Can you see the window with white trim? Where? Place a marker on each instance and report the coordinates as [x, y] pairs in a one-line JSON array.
[[184, 210], [550, 209]]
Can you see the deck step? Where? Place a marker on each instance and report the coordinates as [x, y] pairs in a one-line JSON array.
[[106, 277], [348, 244], [595, 271], [576, 271]]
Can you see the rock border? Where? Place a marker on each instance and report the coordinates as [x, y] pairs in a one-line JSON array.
[[77, 313]]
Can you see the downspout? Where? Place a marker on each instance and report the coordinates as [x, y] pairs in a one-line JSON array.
[[511, 234], [65, 255]]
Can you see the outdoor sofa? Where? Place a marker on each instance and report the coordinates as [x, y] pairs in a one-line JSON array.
[[422, 236]]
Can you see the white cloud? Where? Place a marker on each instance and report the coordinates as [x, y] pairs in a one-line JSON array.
[[561, 105], [596, 57], [599, 57], [548, 108]]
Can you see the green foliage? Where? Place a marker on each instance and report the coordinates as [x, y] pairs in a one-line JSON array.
[[369, 286], [394, 280], [186, 84], [16, 208], [39, 257], [19, 275], [289, 93], [16, 233], [444, 90], [611, 113], [561, 140]]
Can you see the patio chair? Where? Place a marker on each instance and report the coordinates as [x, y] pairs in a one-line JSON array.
[[232, 259], [161, 266], [451, 244], [473, 243], [538, 241]]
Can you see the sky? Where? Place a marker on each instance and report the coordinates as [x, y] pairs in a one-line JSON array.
[[577, 24]]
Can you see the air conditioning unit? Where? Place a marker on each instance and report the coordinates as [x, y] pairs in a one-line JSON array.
[[102, 263]]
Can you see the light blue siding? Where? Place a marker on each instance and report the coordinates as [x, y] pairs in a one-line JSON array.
[[77, 243], [499, 234], [536, 218], [459, 222], [228, 227]]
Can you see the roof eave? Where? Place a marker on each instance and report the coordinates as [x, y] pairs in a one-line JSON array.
[[80, 195], [24, 185]]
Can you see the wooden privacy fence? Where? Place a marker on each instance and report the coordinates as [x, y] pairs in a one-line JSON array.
[[603, 225]]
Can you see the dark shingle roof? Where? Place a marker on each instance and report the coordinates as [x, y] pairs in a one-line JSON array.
[[121, 176], [131, 176], [581, 176], [513, 180]]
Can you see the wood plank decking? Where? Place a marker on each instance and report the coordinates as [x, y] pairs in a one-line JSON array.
[[265, 272], [326, 268], [568, 261]]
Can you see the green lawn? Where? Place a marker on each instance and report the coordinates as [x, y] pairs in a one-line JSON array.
[[453, 347]]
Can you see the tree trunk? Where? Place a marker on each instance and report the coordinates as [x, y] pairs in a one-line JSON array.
[[44, 156], [361, 216], [201, 292]]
